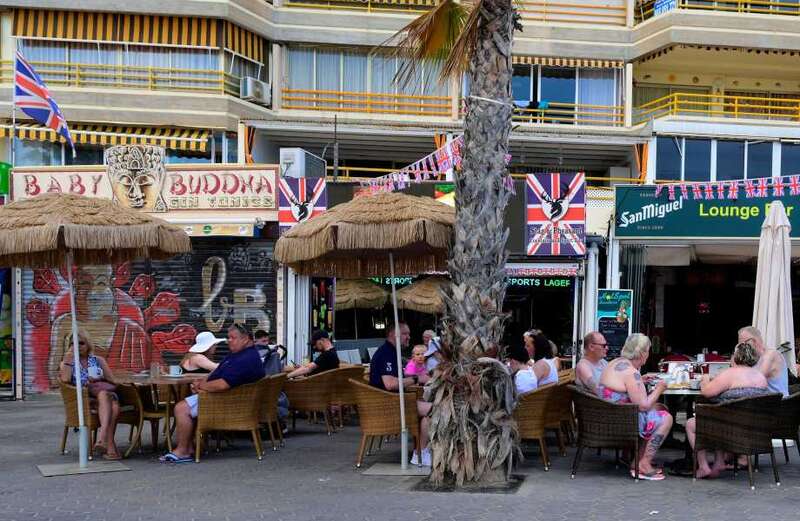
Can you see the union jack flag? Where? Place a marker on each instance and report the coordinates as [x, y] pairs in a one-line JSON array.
[[749, 188], [556, 214], [778, 186], [762, 189], [33, 98], [794, 185], [300, 199]]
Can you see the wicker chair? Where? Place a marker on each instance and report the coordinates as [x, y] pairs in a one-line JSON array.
[[743, 427], [379, 414], [558, 414], [603, 424], [342, 394], [566, 376], [787, 423], [270, 391], [531, 417], [234, 410], [311, 395], [70, 399]]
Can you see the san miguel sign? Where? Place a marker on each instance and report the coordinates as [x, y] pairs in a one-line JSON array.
[[641, 212], [143, 182]]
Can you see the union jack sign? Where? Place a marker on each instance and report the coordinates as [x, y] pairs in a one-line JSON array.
[[556, 214], [299, 199]]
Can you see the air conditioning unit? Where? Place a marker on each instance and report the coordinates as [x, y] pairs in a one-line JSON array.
[[297, 162], [257, 91]]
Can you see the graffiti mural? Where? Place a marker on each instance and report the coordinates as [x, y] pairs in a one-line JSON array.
[[143, 312]]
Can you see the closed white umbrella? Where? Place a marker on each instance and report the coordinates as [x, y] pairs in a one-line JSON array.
[[772, 308]]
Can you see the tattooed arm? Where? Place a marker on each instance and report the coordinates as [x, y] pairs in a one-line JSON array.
[[638, 393]]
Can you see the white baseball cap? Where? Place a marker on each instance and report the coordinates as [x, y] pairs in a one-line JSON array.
[[433, 346], [204, 341]]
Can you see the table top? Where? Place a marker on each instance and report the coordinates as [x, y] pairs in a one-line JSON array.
[[673, 391], [146, 379]]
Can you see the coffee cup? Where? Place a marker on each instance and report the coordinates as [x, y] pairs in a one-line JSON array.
[[175, 370], [94, 372]]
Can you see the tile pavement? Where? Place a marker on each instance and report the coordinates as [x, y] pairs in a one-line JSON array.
[[312, 478]]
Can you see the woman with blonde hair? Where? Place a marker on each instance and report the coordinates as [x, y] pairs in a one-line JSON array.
[[621, 382], [198, 358], [96, 375]]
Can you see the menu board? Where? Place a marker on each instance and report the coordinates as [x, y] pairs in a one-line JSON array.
[[613, 317]]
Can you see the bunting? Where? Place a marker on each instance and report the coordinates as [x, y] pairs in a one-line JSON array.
[[753, 188]]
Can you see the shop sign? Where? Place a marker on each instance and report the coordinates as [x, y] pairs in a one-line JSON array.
[[301, 199], [540, 282], [613, 317], [555, 221], [541, 269], [641, 214], [151, 191], [219, 230]]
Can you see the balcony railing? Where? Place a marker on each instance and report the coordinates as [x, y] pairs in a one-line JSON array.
[[370, 103], [717, 106], [129, 77], [573, 113], [646, 9], [610, 12], [408, 6]]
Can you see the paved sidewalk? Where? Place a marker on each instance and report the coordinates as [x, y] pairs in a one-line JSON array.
[[312, 478]]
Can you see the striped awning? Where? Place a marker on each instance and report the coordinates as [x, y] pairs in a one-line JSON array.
[[123, 28], [168, 137], [568, 62], [244, 42]]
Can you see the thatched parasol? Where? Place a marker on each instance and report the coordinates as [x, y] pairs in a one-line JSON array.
[[424, 296], [358, 293], [353, 239], [58, 229], [371, 236]]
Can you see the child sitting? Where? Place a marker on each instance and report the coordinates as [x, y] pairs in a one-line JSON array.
[[416, 366]]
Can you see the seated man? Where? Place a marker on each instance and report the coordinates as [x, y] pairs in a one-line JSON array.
[[770, 362], [591, 365], [242, 366], [327, 359], [524, 377], [383, 371]]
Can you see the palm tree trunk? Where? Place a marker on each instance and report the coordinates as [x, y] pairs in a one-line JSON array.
[[472, 432]]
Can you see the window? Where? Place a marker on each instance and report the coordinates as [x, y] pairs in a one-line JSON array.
[[84, 155], [790, 159], [558, 85], [668, 158], [37, 153], [598, 87], [730, 160], [759, 159], [697, 160], [522, 82]]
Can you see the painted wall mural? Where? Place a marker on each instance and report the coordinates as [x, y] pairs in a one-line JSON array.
[[147, 311]]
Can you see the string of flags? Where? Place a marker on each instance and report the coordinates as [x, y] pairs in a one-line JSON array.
[[433, 166], [752, 188]]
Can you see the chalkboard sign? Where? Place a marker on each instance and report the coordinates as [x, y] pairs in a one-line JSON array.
[[613, 317]]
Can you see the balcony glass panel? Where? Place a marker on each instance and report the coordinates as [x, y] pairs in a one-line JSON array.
[[730, 160], [790, 159], [759, 160], [668, 158], [697, 160]]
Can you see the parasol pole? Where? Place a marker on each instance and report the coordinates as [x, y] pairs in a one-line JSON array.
[[403, 427], [83, 440]]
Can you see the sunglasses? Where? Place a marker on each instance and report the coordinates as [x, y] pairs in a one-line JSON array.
[[599, 344]]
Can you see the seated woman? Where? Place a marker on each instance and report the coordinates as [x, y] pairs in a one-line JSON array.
[[742, 380], [198, 359], [545, 363], [621, 382], [98, 379], [524, 377]]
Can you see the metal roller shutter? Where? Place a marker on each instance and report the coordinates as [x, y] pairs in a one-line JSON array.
[[147, 311]]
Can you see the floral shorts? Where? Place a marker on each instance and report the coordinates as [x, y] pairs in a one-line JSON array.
[[649, 422]]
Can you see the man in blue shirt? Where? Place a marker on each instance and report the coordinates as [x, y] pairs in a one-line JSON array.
[[242, 366], [383, 375]]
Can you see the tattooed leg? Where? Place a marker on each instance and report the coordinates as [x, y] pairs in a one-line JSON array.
[[646, 462]]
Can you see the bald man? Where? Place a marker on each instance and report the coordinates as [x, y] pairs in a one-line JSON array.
[[591, 365]]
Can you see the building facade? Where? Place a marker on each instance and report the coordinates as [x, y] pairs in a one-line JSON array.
[[624, 91]]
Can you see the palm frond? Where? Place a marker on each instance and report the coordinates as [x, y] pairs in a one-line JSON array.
[[433, 37]]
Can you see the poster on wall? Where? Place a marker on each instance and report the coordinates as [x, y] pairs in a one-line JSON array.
[[613, 317], [300, 199], [555, 220]]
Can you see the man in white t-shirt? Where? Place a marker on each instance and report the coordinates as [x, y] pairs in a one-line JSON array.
[[524, 378]]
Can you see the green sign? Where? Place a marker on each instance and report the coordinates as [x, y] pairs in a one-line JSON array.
[[5, 172], [613, 317], [640, 214], [540, 282]]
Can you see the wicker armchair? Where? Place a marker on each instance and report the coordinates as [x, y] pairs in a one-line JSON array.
[[743, 427], [236, 409], [310, 395], [566, 376], [531, 417], [342, 394], [269, 392], [558, 414], [603, 424], [379, 414], [787, 423], [70, 398]]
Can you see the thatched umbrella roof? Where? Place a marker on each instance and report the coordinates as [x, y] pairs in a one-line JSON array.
[[358, 293], [424, 296], [354, 239], [38, 232]]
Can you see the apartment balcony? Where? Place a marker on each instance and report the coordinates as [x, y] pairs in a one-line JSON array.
[[572, 114], [647, 9], [367, 103], [758, 109]]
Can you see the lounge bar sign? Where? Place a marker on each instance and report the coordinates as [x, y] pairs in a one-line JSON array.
[[230, 188], [641, 213]]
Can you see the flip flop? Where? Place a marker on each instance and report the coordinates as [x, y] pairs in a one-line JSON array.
[[171, 457], [99, 448], [112, 457], [656, 475]]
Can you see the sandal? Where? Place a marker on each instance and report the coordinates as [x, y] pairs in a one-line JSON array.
[[112, 457], [99, 448], [171, 457], [655, 475]]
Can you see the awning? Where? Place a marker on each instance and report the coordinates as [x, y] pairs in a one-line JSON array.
[[568, 62], [243, 42], [167, 137]]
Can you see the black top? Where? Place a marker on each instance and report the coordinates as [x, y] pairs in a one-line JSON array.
[[384, 362], [326, 361]]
